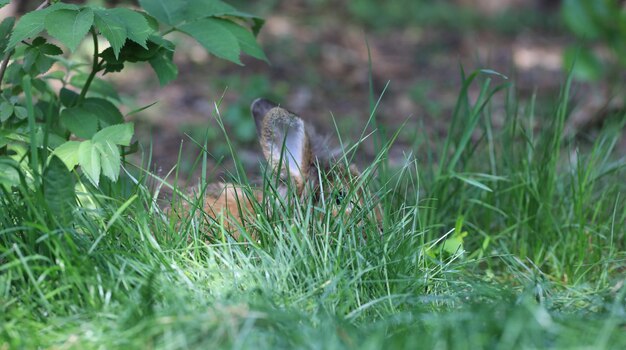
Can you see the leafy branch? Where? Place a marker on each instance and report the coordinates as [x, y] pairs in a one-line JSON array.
[[86, 128]]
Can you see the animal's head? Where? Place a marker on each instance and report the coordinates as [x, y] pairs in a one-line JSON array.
[[298, 155]]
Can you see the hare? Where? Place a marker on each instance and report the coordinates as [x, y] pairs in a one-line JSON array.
[[296, 155]]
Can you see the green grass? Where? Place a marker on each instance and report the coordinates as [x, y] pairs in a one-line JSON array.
[[500, 238]]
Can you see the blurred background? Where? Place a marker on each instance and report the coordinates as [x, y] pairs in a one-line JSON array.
[[319, 67]]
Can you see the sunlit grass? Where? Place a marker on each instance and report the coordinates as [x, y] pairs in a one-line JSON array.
[[505, 242]]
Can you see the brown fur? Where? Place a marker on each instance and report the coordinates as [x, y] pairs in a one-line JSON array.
[[294, 152]]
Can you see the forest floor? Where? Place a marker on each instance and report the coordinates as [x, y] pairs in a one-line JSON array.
[[319, 67]]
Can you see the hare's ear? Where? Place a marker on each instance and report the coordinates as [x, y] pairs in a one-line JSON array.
[[283, 139], [259, 109]]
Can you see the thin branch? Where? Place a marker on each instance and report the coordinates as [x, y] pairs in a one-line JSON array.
[[94, 68], [7, 56], [3, 66]]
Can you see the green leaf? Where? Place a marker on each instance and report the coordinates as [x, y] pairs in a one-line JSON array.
[[170, 12], [59, 192], [197, 9], [51, 49], [579, 17], [98, 86], [208, 8], [213, 35], [68, 97], [454, 244], [119, 134], [3, 3], [109, 159], [246, 40], [6, 111], [28, 26], [89, 161], [68, 153], [54, 140], [36, 60], [32, 23], [5, 32], [585, 64], [20, 112], [137, 25], [106, 111], [112, 28], [9, 175], [69, 26], [163, 65], [81, 121]]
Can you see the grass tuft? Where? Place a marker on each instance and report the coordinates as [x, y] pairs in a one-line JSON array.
[[507, 238]]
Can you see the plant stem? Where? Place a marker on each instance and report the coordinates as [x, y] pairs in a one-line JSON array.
[[94, 69], [3, 66], [168, 31], [28, 93]]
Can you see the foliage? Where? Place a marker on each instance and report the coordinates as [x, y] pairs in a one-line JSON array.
[[504, 238], [504, 243], [55, 105], [594, 22]]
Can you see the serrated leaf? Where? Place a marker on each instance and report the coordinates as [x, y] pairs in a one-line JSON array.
[[170, 12], [89, 161], [106, 111], [163, 65], [28, 26], [109, 159], [111, 63], [68, 153], [112, 28], [246, 40], [119, 134], [214, 37], [6, 110], [152, 22], [35, 61], [69, 26], [137, 25], [161, 42], [32, 23], [80, 121], [59, 192]]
